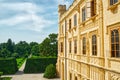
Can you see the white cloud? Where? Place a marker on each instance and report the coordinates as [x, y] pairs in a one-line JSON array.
[[29, 20], [26, 6], [38, 24], [15, 20]]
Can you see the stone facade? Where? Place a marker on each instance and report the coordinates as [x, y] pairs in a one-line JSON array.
[[89, 40]]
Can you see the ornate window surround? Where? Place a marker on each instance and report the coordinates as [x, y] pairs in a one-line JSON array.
[[113, 6], [95, 32], [109, 29], [83, 36]]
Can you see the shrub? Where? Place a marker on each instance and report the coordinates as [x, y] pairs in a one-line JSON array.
[[50, 71], [38, 65], [8, 66]]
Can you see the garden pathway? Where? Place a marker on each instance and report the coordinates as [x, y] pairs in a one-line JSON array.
[[21, 76]]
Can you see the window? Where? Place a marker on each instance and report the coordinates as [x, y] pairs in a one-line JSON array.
[[93, 7], [70, 46], [84, 45], [62, 29], [69, 23], [75, 46], [75, 20], [61, 49], [76, 78], [94, 45], [115, 43], [70, 76], [113, 2], [84, 14]]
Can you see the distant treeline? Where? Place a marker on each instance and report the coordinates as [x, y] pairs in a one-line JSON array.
[[48, 47]]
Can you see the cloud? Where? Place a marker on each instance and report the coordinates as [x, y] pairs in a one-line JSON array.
[[24, 7], [65, 2], [38, 24], [29, 20]]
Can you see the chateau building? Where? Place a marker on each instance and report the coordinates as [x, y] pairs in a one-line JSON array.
[[89, 40]]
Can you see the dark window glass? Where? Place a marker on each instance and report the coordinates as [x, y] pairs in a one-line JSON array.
[[75, 46], [84, 45], [94, 45], [84, 14], [75, 20], [93, 7], [61, 46], [115, 44], [70, 24], [70, 47], [113, 2]]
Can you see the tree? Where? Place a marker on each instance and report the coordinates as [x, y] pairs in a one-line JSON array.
[[4, 53], [49, 45], [35, 50], [22, 48], [10, 46]]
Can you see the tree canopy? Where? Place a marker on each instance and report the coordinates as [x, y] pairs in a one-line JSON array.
[[48, 47]]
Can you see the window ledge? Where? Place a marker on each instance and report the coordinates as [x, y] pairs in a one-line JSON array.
[[114, 59], [91, 18], [74, 28], [114, 6]]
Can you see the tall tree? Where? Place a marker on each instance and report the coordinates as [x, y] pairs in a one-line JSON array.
[[10, 46], [49, 45]]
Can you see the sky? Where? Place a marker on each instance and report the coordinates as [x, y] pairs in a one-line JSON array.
[[29, 20]]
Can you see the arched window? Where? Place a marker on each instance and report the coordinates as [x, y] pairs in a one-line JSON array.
[[84, 45], [115, 43], [94, 45]]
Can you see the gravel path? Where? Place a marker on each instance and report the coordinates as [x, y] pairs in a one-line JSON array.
[[21, 76]]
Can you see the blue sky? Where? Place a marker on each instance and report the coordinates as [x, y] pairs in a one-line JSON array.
[[29, 20]]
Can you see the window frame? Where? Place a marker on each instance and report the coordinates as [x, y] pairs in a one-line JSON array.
[[70, 46], [75, 19], [93, 7], [94, 45], [70, 24], [84, 16], [84, 45], [62, 29], [114, 44], [112, 2], [75, 46], [61, 47]]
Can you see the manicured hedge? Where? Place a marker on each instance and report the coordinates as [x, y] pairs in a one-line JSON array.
[[38, 65], [8, 66]]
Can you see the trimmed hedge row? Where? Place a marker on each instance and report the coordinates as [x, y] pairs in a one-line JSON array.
[[8, 66], [38, 65]]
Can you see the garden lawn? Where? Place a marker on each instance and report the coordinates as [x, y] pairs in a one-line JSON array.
[[6, 78], [20, 61]]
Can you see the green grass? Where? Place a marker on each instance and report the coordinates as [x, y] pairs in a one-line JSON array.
[[6, 78], [20, 61]]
